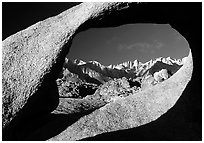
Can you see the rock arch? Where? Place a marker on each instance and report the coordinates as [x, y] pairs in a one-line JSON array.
[[32, 57]]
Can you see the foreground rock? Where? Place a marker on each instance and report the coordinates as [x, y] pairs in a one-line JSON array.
[[134, 110], [32, 59]]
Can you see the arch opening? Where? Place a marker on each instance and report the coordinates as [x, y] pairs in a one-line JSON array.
[[132, 51], [153, 72]]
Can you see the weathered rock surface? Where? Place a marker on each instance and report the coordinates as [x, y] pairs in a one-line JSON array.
[[32, 58], [28, 63], [134, 110]]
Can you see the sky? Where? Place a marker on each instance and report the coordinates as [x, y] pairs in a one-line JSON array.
[[112, 45], [128, 42]]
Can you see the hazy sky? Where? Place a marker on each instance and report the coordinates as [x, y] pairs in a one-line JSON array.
[[128, 42]]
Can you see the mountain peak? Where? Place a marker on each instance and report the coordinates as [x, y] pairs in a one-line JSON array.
[[95, 72]]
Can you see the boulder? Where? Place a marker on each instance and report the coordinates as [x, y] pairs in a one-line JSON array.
[[161, 75]]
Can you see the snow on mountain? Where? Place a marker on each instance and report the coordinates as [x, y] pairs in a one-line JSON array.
[[95, 72]]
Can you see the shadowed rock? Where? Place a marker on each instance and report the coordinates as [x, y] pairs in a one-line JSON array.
[[34, 57], [28, 61]]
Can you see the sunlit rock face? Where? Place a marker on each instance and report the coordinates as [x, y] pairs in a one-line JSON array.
[[121, 106], [33, 57], [152, 79], [87, 98]]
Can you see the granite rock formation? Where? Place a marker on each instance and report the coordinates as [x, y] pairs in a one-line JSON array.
[[32, 57], [134, 109], [161, 75], [118, 90]]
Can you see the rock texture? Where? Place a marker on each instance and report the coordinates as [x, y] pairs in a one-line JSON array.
[[134, 110], [32, 58]]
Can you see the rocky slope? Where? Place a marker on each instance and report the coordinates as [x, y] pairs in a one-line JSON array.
[[122, 107]]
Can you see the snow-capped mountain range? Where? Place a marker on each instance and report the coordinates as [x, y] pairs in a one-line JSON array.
[[95, 72]]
